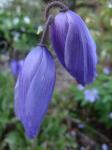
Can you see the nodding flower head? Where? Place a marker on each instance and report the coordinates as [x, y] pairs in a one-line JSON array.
[[34, 89], [74, 46]]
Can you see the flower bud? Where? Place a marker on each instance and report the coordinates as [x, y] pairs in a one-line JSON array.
[[74, 46], [34, 89]]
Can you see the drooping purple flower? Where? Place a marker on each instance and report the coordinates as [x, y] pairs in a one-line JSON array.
[[34, 89], [74, 46], [16, 66]]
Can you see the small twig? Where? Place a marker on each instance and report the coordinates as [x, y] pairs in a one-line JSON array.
[[85, 140], [100, 135]]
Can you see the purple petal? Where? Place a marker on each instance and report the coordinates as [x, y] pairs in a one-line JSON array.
[[58, 32], [20, 63], [34, 89], [31, 63], [14, 67], [80, 50]]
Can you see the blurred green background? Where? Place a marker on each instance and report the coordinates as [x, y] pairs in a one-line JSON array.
[[78, 118]]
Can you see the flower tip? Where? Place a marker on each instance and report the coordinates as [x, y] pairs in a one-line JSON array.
[[31, 135]]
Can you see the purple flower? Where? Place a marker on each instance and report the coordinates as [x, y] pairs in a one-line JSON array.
[[106, 70], [16, 66], [34, 89], [104, 147], [91, 95], [74, 46], [81, 125]]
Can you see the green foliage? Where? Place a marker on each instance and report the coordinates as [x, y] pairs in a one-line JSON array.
[[53, 132], [19, 25], [101, 107]]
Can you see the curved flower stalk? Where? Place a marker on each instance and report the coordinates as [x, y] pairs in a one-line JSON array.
[[74, 46], [34, 89]]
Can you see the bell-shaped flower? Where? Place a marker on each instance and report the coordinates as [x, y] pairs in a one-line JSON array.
[[34, 89], [74, 46]]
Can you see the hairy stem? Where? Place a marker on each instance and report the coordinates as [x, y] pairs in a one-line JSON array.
[[53, 4], [48, 22]]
